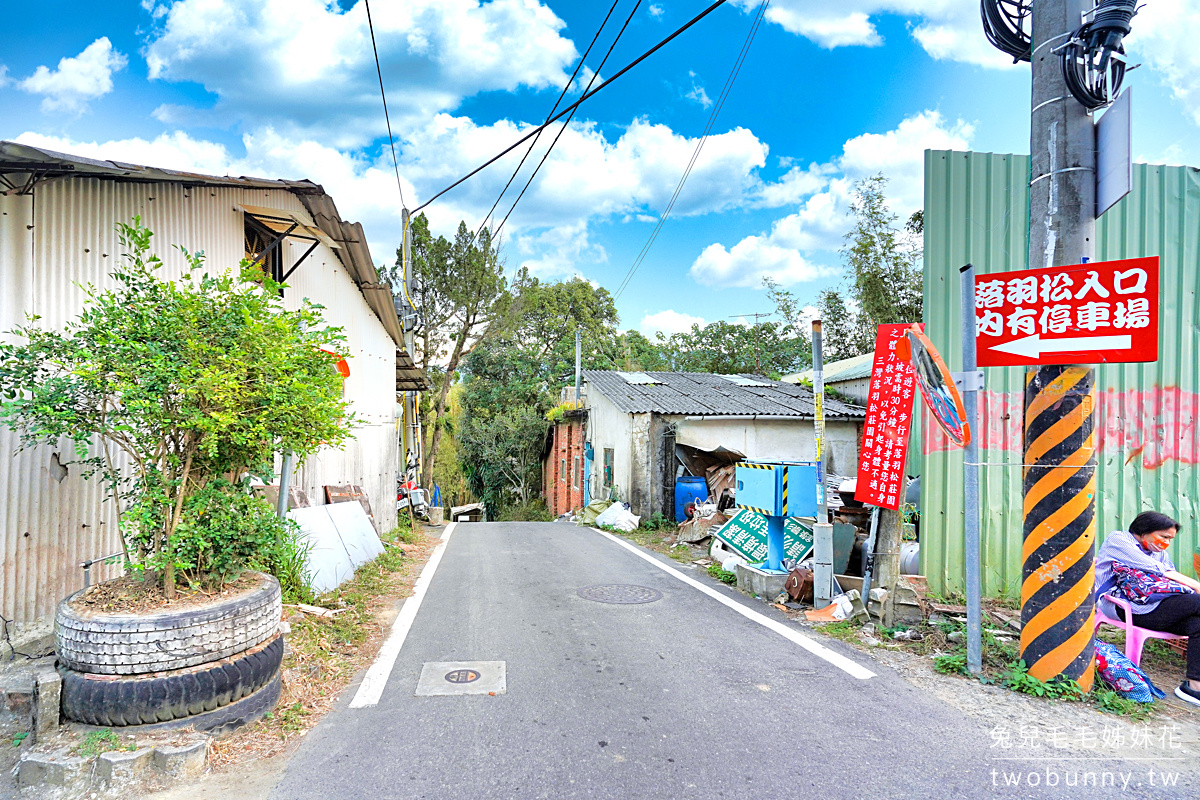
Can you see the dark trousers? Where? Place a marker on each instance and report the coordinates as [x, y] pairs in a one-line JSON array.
[[1178, 614]]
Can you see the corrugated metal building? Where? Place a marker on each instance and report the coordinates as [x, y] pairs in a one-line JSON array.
[[636, 419], [976, 211], [850, 377], [57, 230]]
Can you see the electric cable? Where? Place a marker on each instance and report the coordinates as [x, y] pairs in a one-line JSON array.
[[571, 116], [561, 95], [530, 134], [1007, 25], [1092, 74], [712, 119], [379, 72]]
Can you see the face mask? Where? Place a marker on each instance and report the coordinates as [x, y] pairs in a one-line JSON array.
[[1156, 544]]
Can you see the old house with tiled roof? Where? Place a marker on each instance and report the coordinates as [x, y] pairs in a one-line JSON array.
[[638, 431]]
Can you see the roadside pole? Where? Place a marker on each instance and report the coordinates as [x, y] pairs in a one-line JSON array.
[[822, 530], [1059, 410], [970, 396], [410, 398]]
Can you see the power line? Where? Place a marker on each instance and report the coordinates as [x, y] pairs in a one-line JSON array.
[[574, 105], [379, 72], [712, 119], [561, 95], [571, 116]]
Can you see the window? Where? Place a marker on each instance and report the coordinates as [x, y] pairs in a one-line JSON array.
[[578, 473], [562, 469], [608, 467]]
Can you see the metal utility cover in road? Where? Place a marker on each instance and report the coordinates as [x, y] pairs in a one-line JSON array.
[[1105, 311], [462, 677]]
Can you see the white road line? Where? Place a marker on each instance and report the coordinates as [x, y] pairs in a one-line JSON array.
[[817, 649], [371, 689]]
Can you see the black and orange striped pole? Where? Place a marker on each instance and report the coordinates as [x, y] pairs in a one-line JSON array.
[[1057, 607], [1060, 465]]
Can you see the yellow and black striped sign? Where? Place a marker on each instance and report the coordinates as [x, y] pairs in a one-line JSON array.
[[756, 466], [785, 476], [1057, 603], [756, 510]]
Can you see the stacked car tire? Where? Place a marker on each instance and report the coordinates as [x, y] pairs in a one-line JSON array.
[[211, 667]]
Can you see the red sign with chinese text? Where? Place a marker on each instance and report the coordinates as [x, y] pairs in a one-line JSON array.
[[881, 479], [1105, 311]]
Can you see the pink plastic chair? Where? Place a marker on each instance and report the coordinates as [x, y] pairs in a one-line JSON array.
[[1135, 637]]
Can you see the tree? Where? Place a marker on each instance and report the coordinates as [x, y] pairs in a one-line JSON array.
[[502, 456], [884, 264], [462, 293], [192, 379]]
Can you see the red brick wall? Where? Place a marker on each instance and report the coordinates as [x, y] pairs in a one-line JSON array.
[[562, 473]]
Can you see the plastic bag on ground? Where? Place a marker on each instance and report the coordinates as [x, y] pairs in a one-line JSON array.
[[619, 517], [593, 510]]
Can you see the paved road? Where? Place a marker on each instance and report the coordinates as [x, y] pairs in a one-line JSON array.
[[679, 698]]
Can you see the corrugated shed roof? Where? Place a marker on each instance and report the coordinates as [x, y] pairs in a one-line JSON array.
[[350, 237], [848, 369], [706, 394]]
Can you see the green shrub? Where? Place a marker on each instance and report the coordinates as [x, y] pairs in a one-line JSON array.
[[533, 510], [190, 379], [657, 522]]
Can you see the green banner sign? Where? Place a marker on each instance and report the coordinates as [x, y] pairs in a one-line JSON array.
[[746, 534]]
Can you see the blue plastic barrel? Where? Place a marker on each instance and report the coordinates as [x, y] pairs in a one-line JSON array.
[[688, 490]]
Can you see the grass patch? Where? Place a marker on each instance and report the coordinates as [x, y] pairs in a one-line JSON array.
[[98, 742], [847, 629], [722, 574]]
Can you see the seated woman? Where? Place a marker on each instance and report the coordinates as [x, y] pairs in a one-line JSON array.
[[1135, 566]]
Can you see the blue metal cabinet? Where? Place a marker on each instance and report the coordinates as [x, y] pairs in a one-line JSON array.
[[759, 488], [801, 485]]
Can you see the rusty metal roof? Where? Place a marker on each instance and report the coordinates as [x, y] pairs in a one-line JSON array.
[[349, 237], [708, 394]]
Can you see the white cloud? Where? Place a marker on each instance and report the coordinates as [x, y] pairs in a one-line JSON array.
[[4, 80], [947, 29], [656, 10], [77, 79], [1164, 36], [305, 67], [751, 260], [556, 252], [587, 178], [697, 93], [900, 154], [823, 194], [668, 322]]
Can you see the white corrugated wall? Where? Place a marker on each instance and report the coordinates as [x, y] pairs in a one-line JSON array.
[[64, 236]]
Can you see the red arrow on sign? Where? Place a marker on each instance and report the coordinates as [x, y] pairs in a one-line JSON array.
[[1033, 346]]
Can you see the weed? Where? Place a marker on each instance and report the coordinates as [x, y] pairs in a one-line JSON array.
[[19, 737], [404, 530], [951, 663], [98, 742], [722, 574], [1019, 680], [1111, 702], [657, 522], [846, 629]]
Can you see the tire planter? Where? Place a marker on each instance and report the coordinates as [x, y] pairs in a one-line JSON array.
[[139, 644], [118, 701]]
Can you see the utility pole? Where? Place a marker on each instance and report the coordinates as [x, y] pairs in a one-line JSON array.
[[1057, 634], [757, 350], [578, 363]]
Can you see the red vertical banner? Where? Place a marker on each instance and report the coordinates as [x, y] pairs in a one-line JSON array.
[[881, 479]]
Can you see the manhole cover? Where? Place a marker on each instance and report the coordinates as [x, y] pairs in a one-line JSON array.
[[619, 593], [462, 676]]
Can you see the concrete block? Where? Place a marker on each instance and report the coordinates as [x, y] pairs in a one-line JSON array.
[[182, 761], [767, 585], [123, 765], [48, 703], [52, 769]]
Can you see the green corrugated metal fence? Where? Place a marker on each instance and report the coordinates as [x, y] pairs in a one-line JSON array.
[[976, 211]]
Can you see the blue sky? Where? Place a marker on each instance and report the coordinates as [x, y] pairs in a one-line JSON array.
[[830, 92]]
